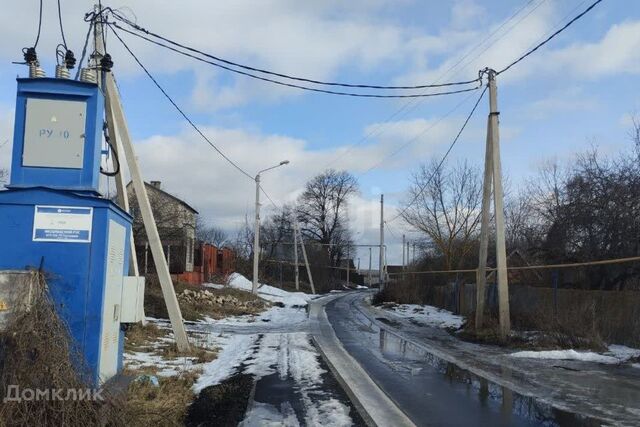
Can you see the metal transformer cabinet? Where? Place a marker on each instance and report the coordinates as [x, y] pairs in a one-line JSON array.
[[53, 211], [83, 241], [57, 135]]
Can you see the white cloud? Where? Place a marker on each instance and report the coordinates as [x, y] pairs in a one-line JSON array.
[[6, 136], [615, 53], [567, 99]]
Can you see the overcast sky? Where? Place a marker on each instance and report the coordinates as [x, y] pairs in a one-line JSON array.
[[576, 92]]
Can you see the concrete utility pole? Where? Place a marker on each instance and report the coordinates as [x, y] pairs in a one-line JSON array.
[[408, 258], [162, 269], [403, 260], [381, 266], [256, 233], [256, 239], [493, 174], [348, 264], [306, 260], [295, 257], [116, 143], [369, 274]]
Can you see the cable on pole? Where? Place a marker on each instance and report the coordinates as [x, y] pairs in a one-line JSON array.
[[446, 154], [182, 113], [548, 39], [84, 49], [293, 85], [282, 75]]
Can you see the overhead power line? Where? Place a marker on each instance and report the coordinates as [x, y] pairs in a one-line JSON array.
[[417, 136], [282, 75], [548, 39], [182, 113], [35, 44], [455, 140], [406, 108], [64, 41], [293, 85]]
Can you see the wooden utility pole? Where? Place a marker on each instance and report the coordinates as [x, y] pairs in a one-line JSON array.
[[381, 261], [162, 269], [493, 174]]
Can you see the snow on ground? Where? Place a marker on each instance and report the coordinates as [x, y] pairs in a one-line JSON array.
[[165, 367], [428, 315], [272, 318], [293, 356], [272, 342], [623, 352], [235, 349], [271, 293], [616, 354], [151, 356]]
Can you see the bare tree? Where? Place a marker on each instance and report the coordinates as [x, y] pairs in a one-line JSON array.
[[322, 211], [211, 234], [276, 233], [446, 209], [634, 132]]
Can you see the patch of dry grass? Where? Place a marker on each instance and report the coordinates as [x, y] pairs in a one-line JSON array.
[[199, 354], [141, 337], [148, 405]]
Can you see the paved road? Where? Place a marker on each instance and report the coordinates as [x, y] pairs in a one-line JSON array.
[[429, 391]]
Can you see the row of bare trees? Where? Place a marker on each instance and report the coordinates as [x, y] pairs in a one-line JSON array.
[[321, 213], [587, 209]]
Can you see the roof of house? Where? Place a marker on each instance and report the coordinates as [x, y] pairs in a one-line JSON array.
[[182, 202]]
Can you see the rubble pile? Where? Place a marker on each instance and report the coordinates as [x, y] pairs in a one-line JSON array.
[[206, 297]]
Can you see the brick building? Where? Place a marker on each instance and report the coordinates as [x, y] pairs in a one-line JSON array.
[[189, 260]]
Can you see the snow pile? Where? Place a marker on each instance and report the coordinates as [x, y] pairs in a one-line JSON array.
[[428, 315], [615, 354], [271, 293], [622, 352]]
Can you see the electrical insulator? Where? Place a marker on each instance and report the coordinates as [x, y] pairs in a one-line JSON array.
[[35, 71], [88, 75], [62, 72]]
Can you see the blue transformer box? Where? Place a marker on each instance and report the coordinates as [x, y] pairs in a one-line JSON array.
[[57, 134], [52, 211], [83, 242]]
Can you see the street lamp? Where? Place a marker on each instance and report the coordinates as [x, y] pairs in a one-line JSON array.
[[256, 234]]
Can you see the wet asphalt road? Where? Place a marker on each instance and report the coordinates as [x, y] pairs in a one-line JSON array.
[[431, 394]]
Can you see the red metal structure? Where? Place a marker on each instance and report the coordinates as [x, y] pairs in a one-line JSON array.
[[209, 261]]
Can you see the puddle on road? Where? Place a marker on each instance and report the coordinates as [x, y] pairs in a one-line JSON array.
[[421, 363]]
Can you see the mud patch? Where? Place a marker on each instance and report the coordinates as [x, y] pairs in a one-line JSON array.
[[223, 404]]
